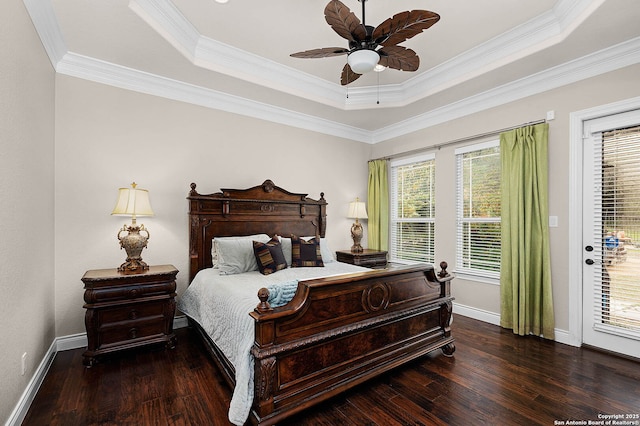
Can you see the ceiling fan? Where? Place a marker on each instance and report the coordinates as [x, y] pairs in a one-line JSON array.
[[369, 46]]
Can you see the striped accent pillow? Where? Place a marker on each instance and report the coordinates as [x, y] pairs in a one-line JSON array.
[[269, 256], [305, 253]]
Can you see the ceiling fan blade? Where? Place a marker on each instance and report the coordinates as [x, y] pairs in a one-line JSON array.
[[348, 76], [324, 52], [344, 21], [399, 58], [403, 26]]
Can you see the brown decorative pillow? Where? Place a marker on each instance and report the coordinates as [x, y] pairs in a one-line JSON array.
[[269, 256], [305, 253]]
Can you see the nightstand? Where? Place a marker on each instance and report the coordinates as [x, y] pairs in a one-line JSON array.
[[367, 258], [128, 310]]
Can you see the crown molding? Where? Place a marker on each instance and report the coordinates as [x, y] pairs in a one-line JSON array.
[[532, 36], [46, 25], [616, 57], [606, 60], [571, 13], [538, 33], [207, 53], [501, 50], [611, 59], [98, 71], [79, 66], [165, 19]]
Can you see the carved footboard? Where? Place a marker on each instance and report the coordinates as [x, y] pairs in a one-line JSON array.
[[339, 331]]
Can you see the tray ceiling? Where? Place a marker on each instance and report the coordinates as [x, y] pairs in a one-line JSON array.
[[235, 56]]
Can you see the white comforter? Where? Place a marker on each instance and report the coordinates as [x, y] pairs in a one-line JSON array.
[[221, 305]]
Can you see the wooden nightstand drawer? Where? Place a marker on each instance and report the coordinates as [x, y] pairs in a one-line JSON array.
[[132, 312], [128, 310], [128, 292], [124, 332]]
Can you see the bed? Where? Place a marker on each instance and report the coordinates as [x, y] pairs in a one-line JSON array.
[[334, 333]]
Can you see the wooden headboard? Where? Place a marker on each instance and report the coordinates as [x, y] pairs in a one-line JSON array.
[[263, 209]]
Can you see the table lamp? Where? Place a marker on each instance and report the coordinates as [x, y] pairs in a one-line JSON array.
[[357, 210], [133, 202]]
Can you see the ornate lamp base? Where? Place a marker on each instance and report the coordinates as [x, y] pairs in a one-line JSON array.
[[356, 234], [133, 243], [133, 266]]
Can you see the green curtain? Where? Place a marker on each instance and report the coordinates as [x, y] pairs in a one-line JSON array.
[[525, 275], [378, 205]]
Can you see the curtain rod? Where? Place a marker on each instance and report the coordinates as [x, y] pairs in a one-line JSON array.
[[457, 141]]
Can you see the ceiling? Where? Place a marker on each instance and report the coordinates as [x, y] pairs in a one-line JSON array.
[[235, 56]]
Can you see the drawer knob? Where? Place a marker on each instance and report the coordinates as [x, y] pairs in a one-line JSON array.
[[133, 333], [133, 314]]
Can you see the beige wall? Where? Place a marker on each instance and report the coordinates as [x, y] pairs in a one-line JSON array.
[[611, 87], [26, 191], [108, 137]]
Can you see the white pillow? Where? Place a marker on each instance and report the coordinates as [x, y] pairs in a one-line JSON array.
[[234, 255], [286, 249], [325, 251]]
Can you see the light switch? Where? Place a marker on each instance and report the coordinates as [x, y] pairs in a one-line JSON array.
[[553, 221]]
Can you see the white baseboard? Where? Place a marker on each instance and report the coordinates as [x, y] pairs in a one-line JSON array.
[[475, 313], [561, 336], [72, 341], [29, 394], [180, 322], [64, 343]]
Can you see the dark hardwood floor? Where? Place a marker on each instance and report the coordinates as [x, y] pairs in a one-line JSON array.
[[493, 378]]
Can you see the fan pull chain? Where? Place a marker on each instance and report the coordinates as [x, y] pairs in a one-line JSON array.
[[347, 81], [378, 100]]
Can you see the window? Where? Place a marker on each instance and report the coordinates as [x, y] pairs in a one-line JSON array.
[[478, 210], [412, 209]]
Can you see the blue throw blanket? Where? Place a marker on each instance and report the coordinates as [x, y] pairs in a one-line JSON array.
[[280, 294]]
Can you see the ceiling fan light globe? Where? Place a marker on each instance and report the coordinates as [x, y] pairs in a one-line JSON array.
[[363, 61]]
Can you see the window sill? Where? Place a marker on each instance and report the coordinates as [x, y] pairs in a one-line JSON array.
[[469, 276]]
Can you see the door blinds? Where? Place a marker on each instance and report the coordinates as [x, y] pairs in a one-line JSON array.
[[617, 232]]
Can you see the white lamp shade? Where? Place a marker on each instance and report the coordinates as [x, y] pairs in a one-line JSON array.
[[363, 61], [357, 210], [132, 202]]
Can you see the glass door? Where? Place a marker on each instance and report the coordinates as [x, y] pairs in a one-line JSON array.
[[611, 235]]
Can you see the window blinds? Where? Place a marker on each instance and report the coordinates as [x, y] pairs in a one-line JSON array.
[[412, 233], [478, 210], [617, 232]]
